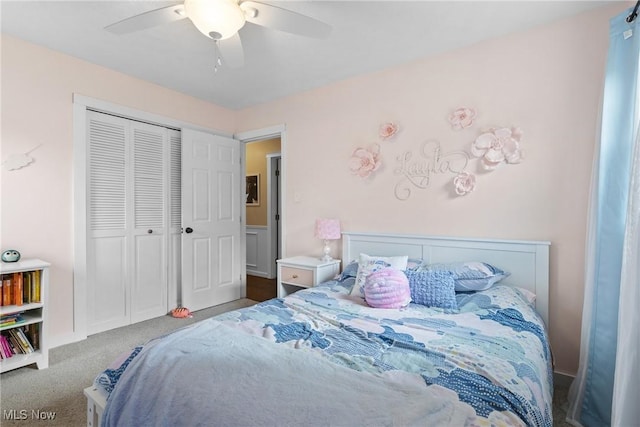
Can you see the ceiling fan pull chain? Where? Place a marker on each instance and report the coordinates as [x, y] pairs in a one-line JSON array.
[[217, 55]]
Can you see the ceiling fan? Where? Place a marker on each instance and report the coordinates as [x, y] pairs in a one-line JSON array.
[[220, 20]]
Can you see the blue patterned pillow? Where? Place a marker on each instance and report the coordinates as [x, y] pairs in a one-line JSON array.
[[470, 276], [433, 288], [351, 270]]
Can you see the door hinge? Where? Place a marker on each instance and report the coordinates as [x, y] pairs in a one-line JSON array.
[[277, 217], [277, 172]]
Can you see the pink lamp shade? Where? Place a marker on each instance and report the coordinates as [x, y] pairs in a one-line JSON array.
[[328, 229]]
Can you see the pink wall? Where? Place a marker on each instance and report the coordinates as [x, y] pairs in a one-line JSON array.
[[547, 81], [37, 201]]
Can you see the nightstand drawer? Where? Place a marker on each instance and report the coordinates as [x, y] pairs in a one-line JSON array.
[[302, 272], [298, 276]]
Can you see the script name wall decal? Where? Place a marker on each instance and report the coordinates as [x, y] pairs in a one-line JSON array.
[[492, 148], [417, 170]]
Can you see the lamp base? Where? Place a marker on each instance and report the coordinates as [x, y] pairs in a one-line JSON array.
[[326, 250]]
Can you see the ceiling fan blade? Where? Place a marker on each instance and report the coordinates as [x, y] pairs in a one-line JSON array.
[[149, 19], [232, 52], [284, 20]]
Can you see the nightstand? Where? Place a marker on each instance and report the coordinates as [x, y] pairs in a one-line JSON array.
[[304, 272]]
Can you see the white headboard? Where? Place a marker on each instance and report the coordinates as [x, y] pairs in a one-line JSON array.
[[527, 261]]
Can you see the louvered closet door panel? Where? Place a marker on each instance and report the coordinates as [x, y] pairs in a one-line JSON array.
[[150, 212], [107, 293], [175, 220]]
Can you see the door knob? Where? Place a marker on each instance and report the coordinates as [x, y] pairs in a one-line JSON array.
[[188, 230], [149, 231]]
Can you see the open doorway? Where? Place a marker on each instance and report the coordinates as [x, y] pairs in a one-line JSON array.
[[263, 207]]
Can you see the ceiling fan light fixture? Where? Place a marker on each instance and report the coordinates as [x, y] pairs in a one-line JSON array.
[[216, 19]]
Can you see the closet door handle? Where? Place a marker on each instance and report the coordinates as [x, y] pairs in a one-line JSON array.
[[188, 230]]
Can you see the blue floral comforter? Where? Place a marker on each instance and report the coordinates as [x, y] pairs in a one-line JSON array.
[[493, 353]]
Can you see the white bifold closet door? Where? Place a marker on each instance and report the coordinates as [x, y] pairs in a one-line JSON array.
[[133, 222]]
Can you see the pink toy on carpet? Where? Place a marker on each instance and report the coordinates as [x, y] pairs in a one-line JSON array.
[[181, 312]]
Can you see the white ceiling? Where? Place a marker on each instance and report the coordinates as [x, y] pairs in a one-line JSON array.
[[367, 36]]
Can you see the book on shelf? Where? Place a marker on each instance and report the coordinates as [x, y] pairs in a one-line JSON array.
[[15, 344], [11, 319], [18, 291], [21, 339], [38, 287], [33, 335], [26, 285], [7, 289], [31, 286], [6, 349], [21, 288]]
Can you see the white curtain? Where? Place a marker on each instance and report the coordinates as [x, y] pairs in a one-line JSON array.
[[606, 390], [626, 385]]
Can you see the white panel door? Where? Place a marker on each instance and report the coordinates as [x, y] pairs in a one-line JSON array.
[[211, 177]]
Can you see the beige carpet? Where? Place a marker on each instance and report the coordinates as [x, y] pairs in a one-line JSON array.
[[28, 393]]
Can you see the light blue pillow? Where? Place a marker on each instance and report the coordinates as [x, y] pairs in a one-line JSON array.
[[433, 288], [470, 276], [351, 270]]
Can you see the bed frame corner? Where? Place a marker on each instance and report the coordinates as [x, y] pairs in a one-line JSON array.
[[96, 403]]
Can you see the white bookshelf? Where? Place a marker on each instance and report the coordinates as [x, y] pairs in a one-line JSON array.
[[32, 313]]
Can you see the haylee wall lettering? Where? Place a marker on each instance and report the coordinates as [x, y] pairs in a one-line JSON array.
[[417, 170]]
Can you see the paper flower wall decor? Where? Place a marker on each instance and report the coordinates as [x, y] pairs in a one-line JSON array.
[[464, 183], [498, 146], [364, 161], [19, 161], [388, 130], [462, 118]]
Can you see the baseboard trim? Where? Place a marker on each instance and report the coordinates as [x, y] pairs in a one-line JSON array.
[[256, 273], [61, 340], [562, 379]]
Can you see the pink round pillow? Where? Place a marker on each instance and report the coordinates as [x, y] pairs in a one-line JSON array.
[[387, 288]]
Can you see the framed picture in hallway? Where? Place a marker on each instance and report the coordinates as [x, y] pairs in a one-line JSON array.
[[253, 190]]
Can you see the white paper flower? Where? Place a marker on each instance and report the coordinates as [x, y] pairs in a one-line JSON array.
[[498, 146], [388, 130], [462, 118], [17, 161], [464, 183]]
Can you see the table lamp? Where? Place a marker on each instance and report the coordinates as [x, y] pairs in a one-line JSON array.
[[327, 229]]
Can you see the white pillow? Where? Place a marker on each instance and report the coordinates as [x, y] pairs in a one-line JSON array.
[[530, 296], [368, 264]]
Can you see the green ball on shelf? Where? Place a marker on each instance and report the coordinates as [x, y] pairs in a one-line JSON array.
[[10, 255]]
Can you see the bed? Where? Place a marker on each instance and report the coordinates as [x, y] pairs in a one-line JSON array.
[[322, 356]]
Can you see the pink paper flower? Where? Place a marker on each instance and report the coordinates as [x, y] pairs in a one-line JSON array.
[[464, 183], [462, 118], [388, 130], [497, 146], [364, 161]]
